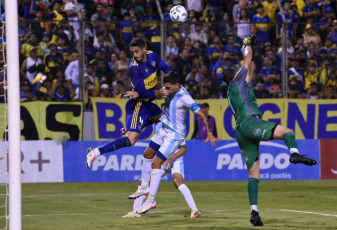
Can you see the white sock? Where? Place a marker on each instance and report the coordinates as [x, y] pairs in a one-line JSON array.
[[146, 171], [188, 196], [293, 150], [155, 181], [253, 207], [97, 152], [138, 202]]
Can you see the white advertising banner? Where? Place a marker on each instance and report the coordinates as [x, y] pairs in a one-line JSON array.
[[41, 161]]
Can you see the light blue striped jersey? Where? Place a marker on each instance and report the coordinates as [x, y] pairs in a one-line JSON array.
[[175, 111]]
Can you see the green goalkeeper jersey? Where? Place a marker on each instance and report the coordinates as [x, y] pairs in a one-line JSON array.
[[241, 97]]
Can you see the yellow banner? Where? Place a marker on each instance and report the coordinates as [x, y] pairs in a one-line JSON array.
[[42, 120], [310, 119]]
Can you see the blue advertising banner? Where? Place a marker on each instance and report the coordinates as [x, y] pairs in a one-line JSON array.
[[202, 162]]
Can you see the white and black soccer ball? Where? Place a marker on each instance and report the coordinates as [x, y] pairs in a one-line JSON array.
[[178, 14]]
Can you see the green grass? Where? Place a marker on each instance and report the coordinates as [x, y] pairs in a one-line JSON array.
[[224, 205]]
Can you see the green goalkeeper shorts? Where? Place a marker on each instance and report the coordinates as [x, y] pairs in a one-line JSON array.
[[249, 133]]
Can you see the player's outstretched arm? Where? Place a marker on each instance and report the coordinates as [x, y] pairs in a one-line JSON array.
[[210, 137], [181, 152], [249, 43]]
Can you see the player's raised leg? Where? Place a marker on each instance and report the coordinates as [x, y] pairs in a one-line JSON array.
[[283, 133]]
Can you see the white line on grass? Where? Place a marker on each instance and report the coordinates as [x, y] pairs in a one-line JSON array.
[[317, 213], [127, 193], [120, 212]]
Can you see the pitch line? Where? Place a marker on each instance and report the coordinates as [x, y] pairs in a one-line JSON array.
[[119, 212], [317, 213]]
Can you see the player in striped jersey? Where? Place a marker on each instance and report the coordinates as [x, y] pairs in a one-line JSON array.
[[173, 131], [250, 129]]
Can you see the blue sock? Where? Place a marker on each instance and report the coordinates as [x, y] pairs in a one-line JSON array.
[[118, 143]]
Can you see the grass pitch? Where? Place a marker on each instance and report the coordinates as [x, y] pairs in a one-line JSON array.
[[224, 205]]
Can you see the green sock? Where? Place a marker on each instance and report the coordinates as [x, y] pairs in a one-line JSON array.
[[289, 140], [253, 188]]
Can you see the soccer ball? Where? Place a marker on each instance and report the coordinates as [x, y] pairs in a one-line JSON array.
[[178, 14]]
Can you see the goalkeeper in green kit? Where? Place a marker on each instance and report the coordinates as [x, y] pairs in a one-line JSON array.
[[250, 129]]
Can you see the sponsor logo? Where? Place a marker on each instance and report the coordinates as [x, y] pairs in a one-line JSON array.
[[268, 161], [334, 171], [257, 132], [153, 63]]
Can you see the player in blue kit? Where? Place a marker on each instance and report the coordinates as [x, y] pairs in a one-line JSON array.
[[140, 111]]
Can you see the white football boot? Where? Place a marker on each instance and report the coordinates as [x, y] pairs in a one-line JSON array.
[[91, 157], [147, 206], [140, 192], [195, 213], [131, 215]]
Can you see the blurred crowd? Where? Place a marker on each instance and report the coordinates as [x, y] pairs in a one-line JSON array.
[[199, 50]]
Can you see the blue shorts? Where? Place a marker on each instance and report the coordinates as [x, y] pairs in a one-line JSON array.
[[138, 114]]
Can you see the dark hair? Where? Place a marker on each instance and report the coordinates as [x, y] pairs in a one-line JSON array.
[[259, 6], [205, 106], [172, 78], [228, 75], [137, 42]]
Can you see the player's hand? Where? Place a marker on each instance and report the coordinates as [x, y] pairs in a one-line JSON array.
[[131, 94], [212, 139], [167, 165], [163, 92]]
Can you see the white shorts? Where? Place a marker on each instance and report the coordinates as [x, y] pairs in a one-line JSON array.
[[176, 167], [168, 140]]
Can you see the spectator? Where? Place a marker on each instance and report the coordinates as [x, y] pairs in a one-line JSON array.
[[332, 80], [269, 74], [32, 43], [275, 90], [333, 32], [293, 92], [43, 88], [232, 47], [108, 40], [126, 29], [100, 43], [311, 76], [216, 8], [195, 5], [71, 10], [38, 26], [270, 8], [191, 83], [53, 59], [208, 15], [311, 36], [122, 65], [149, 18], [112, 61], [105, 90], [262, 26], [24, 31], [329, 46], [200, 132], [25, 92], [29, 65], [215, 51], [62, 91], [242, 24], [105, 4], [103, 72], [72, 72], [312, 92], [154, 36], [98, 17], [56, 16], [249, 6], [225, 26], [329, 93], [260, 91], [119, 90], [90, 90], [171, 48], [183, 66], [114, 22], [326, 22], [44, 43], [199, 34], [64, 49], [295, 18], [311, 9], [287, 19]]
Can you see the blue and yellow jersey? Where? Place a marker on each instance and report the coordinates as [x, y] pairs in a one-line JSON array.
[[269, 72], [149, 21], [127, 29], [144, 74], [57, 17], [261, 20]]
